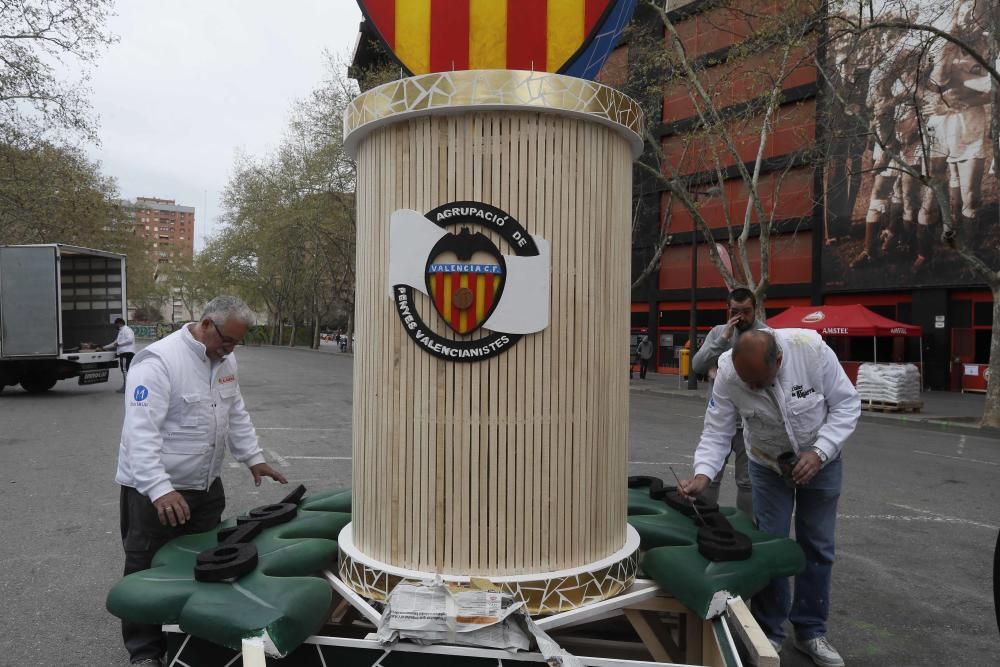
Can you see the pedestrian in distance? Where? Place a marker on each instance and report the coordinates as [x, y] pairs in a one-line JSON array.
[[742, 318], [183, 406], [124, 345], [644, 350], [797, 403]]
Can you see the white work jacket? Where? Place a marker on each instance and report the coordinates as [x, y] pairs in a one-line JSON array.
[[125, 342], [814, 405], [180, 410]]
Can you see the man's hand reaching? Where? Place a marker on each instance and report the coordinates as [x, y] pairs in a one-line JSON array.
[[692, 488], [262, 470]]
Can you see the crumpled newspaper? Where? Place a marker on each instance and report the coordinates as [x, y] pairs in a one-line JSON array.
[[475, 614]]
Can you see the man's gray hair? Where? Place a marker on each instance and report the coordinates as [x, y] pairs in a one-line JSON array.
[[223, 308]]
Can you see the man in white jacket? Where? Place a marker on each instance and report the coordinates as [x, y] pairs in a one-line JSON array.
[[124, 345], [183, 405], [794, 398]]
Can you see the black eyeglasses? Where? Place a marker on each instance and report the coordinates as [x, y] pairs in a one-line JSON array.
[[226, 340]]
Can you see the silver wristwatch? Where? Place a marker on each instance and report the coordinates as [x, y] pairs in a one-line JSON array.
[[823, 458]]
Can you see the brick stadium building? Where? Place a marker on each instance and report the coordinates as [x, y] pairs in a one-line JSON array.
[[819, 228]]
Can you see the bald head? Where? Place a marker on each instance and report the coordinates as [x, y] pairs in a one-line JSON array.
[[757, 358]]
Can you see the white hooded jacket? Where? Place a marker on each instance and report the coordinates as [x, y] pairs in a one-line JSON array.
[[179, 414], [814, 405]]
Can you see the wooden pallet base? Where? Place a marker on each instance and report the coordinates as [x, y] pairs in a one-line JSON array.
[[886, 406]]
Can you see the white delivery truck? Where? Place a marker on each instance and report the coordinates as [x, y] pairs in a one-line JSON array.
[[54, 300]]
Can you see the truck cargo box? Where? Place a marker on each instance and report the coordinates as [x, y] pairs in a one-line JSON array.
[[53, 299]]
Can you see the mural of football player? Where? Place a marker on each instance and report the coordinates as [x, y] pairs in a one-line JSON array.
[[851, 74], [882, 102], [957, 132], [900, 235]]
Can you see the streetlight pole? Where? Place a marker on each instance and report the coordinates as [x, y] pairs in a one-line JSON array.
[[713, 191], [693, 332]]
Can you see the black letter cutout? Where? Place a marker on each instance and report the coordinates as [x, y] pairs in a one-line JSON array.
[[236, 554]]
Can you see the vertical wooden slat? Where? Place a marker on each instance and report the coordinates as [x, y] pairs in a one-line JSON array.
[[507, 445], [483, 181], [551, 428], [567, 373], [529, 160]]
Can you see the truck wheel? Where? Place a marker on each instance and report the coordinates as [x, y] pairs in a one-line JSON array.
[[38, 385]]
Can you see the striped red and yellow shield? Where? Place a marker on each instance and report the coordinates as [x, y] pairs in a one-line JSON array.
[[465, 298], [445, 35]]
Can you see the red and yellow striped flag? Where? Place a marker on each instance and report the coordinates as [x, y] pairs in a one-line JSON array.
[[445, 35]]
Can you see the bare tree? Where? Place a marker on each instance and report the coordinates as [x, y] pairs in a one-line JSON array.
[[714, 146], [288, 241], [35, 35]]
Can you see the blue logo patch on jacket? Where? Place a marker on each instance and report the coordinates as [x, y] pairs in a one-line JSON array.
[[141, 393]]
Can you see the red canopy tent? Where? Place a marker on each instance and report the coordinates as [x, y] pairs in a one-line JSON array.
[[853, 320]]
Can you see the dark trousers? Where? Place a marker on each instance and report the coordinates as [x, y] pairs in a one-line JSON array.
[[143, 535], [643, 365], [125, 361]]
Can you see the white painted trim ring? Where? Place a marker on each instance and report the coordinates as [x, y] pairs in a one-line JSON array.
[[346, 542]]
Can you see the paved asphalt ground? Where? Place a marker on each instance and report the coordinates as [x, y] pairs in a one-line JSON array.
[[918, 518]]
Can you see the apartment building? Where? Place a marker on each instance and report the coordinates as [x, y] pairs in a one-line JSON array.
[[166, 227]]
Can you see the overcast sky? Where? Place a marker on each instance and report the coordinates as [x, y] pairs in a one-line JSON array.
[[193, 82]]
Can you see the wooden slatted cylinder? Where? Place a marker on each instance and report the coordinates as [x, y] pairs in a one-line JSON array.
[[516, 464]]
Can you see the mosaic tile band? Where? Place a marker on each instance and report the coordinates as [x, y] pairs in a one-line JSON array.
[[544, 594], [492, 90]]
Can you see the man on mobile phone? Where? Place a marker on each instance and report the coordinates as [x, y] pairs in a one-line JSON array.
[[742, 318]]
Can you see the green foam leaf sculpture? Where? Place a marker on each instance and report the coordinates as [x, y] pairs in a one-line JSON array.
[[670, 542], [281, 597]]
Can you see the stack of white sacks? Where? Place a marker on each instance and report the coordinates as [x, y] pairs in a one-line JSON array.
[[889, 383]]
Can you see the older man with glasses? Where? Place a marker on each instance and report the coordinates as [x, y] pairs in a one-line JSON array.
[[183, 406]]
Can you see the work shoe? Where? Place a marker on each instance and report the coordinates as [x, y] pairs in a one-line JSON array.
[[821, 651], [148, 662]]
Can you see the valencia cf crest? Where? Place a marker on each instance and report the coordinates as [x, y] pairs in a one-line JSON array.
[[573, 37], [486, 295], [465, 278]]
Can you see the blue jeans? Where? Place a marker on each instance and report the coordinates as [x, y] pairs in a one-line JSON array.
[[815, 506]]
